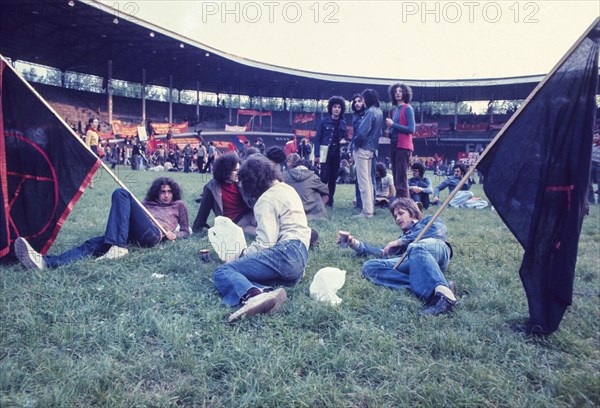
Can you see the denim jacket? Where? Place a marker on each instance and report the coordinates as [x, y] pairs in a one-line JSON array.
[[356, 120], [437, 231], [325, 133], [450, 183], [369, 130]]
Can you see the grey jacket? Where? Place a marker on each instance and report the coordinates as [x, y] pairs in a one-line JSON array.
[[310, 188]]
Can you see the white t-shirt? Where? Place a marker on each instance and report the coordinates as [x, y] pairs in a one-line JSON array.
[[382, 186]]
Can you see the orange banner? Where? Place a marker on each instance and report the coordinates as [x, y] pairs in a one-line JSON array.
[[305, 133], [125, 131]]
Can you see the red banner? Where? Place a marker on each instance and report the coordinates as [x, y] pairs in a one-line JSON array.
[[163, 128], [251, 112], [472, 127], [304, 118], [105, 135], [423, 130]]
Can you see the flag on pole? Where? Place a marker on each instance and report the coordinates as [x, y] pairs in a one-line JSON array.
[[44, 166], [537, 175]]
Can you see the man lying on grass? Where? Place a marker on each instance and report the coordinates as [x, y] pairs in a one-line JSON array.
[[422, 269], [279, 254], [127, 223]]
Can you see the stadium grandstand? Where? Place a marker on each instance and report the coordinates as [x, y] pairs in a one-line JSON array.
[[208, 90]]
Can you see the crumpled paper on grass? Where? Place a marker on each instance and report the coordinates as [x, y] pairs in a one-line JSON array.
[[326, 283]]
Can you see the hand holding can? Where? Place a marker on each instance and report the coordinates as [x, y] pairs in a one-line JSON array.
[[343, 238]]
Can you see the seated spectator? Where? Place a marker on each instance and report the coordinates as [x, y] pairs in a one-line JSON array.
[[422, 271], [251, 151], [595, 174], [127, 223], [312, 191], [384, 186], [419, 187], [451, 182], [172, 158], [279, 254], [344, 174], [222, 195], [290, 147], [259, 144], [277, 155]]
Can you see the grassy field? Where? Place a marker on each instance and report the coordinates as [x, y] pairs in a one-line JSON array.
[[113, 333]]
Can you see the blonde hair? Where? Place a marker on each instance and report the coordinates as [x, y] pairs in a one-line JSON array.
[[408, 205]]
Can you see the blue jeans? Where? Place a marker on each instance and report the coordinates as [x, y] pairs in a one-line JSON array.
[[282, 264], [127, 222], [421, 271]]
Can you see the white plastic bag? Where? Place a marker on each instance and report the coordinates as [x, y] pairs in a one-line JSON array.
[[227, 239], [326, 283]]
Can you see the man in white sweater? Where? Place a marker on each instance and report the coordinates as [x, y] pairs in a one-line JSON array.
[[279, 254]]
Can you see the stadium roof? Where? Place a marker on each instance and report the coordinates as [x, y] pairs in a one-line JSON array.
[[84, 36]]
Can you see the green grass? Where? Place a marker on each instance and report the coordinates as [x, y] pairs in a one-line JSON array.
[[108, 333]]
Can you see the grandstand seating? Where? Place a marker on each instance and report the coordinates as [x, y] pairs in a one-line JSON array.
[[75, 106]]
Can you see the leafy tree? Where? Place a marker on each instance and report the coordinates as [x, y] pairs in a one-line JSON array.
[[507, 106]]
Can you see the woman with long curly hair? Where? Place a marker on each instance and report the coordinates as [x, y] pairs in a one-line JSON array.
[[279, 254], [127, 223]]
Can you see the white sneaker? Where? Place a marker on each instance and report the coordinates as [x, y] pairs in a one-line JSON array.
[[115, 252], [29, 257], [265, 303]]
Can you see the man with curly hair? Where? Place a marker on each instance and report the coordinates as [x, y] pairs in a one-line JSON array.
[[401, 127], [279, 254], [331, 133], [127, 223], [222, 196]]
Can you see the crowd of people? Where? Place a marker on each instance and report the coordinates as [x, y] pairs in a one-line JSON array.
[[273, 193]]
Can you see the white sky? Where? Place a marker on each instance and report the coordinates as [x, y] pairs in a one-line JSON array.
[[384, 39]]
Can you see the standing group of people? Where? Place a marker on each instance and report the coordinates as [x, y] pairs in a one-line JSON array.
[[367, 127], [199, 158]]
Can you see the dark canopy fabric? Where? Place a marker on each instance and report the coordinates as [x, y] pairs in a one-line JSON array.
[[537, 175], [43, 167]]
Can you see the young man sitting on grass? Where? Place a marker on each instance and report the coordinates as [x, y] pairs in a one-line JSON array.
[[422, 271], [222, 196], [279, 254], [127, 223]]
